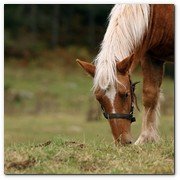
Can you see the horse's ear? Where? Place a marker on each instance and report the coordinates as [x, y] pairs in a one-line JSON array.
[[88, 67], [124, 65]]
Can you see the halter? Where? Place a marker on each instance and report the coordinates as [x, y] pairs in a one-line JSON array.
[[129, 116]]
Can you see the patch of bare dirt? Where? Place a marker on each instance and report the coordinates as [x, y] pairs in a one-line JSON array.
[[75, 144], [44, 144], [22, 164]]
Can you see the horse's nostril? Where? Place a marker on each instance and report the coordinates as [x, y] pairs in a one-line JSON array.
[[129, 142]]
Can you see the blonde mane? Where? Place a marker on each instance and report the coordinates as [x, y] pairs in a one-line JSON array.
[[125, 32]]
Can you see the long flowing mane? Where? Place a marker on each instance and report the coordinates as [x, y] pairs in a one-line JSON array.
[[127, 26]]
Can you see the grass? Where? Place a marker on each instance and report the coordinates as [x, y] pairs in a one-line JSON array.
[[66, 156], [46, 131]]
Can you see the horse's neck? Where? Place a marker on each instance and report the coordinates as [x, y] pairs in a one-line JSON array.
[[160, 37]]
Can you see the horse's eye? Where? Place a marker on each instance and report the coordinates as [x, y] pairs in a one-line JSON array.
[[126, 95], [123, 95]]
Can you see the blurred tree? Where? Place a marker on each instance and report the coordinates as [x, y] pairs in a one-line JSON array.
[[33, 15], [55, 26], [91, 33]]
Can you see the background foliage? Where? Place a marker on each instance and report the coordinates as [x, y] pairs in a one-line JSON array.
[[36, 27]]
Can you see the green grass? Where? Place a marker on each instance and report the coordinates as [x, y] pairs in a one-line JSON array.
[[56, 113]]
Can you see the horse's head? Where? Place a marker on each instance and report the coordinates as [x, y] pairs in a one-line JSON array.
[[117, 100]]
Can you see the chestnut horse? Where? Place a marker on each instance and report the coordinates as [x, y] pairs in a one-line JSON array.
[[137, 34]]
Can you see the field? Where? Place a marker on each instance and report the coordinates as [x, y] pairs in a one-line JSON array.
[[46, 131]]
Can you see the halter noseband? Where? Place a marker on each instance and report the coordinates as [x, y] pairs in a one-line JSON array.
[[129, 116]]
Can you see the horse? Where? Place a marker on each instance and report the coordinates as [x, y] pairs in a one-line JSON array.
[[136, 34]]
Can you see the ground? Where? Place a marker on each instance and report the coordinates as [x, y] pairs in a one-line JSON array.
[[46, 131]]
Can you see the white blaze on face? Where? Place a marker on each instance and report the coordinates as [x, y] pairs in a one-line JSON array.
[[110, 93]]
